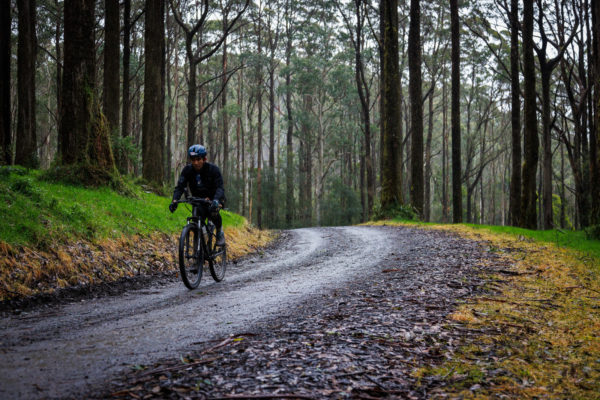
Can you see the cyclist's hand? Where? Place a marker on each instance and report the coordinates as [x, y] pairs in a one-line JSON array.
[[173, 207], [215, 205]]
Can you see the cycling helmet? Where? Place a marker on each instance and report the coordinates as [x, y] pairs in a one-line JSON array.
[[197, 150]]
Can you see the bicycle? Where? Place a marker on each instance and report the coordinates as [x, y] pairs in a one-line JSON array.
[[197, 245]]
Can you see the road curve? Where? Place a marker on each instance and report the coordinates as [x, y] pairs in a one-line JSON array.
[[77, 347]]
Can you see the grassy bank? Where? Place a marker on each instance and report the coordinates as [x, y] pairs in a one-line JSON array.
[[55, 235], [535, 333], [37, 213]]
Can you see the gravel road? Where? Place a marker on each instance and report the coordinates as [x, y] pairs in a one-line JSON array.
[[74, 348]]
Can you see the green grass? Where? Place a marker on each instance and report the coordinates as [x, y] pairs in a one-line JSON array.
[[35, 212], [576, 240]]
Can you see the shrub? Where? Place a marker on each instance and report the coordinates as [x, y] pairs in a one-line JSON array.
[[593, 232], [397, 211]]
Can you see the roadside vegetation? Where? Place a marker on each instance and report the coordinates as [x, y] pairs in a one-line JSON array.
[[534, 334], [55, 235]]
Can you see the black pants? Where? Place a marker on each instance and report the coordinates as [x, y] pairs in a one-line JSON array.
[[203, 211]]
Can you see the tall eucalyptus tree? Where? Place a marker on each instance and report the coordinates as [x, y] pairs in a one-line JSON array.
[[515, 96], [5, 51], [111, 64], [26, 140], [416, 107], [455, 117], [531, 140], [391, 150], [153, 137]]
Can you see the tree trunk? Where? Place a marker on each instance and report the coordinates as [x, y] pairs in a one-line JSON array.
[[152, 132], [531, 140], [124, 162], [259, 139], [171, 102], [191, 102], [563, 199], [445, 166], [271, 171], [112, 32], [427, 195], [306, 163], [5, 130], [515, 180], [224, 116], [79, 71], [26, 146], [547, 220], [456, 168], [416, 107], [595, 164], [391, 150], [289, 176]]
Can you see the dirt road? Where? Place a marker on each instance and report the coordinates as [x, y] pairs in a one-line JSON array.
[[76, 347]]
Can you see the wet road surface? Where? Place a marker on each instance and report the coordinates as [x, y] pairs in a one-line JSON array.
[[76, 347]]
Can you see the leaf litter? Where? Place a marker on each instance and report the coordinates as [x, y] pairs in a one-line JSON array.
[[369, 340]]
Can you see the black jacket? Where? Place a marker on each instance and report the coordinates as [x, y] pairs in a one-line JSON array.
[[208, 182]]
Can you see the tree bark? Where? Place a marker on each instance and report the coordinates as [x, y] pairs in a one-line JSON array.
[[5, 122], [123, 160], [79, 73], [289, 176], [531, 140], [427, 192], [391, 151], [26, 140], [445, 166], [416, 107], [259, 134], [595, 164], [112, 32], [547, 219], [455, 117], [515, 180], [152, 132], [224, 116]]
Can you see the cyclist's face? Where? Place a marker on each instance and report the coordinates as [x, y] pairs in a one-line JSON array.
[[198, 163]]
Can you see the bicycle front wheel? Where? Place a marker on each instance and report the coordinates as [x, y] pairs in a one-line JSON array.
[[191, 257], [218, 263]]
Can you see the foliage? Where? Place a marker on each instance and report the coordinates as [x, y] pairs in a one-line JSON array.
[[342, 205], [402, 212], [593, 232]]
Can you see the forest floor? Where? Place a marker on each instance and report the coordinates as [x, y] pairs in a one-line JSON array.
[[493, 316], [450, 312]]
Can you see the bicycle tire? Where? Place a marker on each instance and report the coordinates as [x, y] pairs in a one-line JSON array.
[[191, 257], [218, 263]]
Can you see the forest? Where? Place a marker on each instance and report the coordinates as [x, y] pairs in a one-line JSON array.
[[321, 112]]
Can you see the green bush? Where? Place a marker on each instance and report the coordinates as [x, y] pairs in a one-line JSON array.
[[397, 211], [593, 232], [26, 187]]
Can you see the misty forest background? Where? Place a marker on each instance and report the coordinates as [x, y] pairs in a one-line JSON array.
[[320, 112]]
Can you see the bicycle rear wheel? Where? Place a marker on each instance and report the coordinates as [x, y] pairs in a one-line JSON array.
[[191, 257], [218, 263]]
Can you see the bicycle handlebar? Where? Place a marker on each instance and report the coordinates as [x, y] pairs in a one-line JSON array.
[[197, 201]]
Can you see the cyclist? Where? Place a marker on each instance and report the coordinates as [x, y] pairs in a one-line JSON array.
[[204, 180]]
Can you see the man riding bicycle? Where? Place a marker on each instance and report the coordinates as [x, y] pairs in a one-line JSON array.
[[204, 180]]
